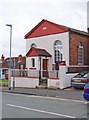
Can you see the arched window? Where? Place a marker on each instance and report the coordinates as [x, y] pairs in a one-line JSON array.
[[57, 51], [80, 54], [33, 45]]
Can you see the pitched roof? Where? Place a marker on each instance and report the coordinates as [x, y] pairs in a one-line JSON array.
[[46, 27], [37, 52], [78, 31], [14, 58]]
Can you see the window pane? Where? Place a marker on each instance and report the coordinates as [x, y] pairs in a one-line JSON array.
[[33, 62], [80, 53], [57, 49]]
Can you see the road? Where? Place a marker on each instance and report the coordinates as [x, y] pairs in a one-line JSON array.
[[29, 106]]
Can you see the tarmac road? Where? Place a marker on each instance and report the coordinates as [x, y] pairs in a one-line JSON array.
[[30, 106]]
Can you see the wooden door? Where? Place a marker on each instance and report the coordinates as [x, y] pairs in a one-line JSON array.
[[45, 67]]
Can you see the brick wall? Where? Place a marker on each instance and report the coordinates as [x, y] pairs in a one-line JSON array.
[[77, 69], [74, 40]]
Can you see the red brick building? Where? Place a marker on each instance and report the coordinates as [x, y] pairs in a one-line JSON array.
[[17, 62], [79, 44], [76, 38]]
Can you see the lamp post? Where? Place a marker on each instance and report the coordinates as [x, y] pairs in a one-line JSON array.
[[9, 25]]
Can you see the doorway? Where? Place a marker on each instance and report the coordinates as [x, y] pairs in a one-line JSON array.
[[45, 68]]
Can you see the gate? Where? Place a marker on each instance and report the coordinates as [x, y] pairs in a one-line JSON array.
[[43, 77]]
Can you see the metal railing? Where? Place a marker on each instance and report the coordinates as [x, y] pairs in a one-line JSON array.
[[19, 73], [35, 73], [54, 74]]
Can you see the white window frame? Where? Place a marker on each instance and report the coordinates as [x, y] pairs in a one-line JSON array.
[[57, 51], [80, 54], [33, 62]]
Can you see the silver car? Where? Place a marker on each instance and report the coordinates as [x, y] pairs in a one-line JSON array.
[[80, 80]]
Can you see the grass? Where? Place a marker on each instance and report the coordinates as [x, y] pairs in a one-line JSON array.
[[4, 82]]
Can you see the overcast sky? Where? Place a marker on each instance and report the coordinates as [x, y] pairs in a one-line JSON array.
[[25, 14]]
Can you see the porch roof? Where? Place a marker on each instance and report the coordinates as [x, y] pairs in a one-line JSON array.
[[38, 52]]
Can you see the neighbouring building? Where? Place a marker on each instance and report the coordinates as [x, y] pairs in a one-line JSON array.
[[1, 60], [0, 63], [48, 44], [17, 62]]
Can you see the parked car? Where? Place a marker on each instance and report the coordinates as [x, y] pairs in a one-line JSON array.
[[86, 92], [80, 80]]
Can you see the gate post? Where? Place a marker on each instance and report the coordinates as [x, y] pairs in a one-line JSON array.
[[62, 74]]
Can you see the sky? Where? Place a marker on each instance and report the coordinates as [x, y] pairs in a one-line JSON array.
[[25, 14]]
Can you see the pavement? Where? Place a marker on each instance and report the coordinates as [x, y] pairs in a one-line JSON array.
[[69, 93]]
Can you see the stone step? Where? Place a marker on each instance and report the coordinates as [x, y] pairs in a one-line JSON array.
[[42, 86]]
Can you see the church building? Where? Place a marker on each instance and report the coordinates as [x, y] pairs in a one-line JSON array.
[[48, 44]]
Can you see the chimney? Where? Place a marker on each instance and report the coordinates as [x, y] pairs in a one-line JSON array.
[[88, 30], [2, 57]]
